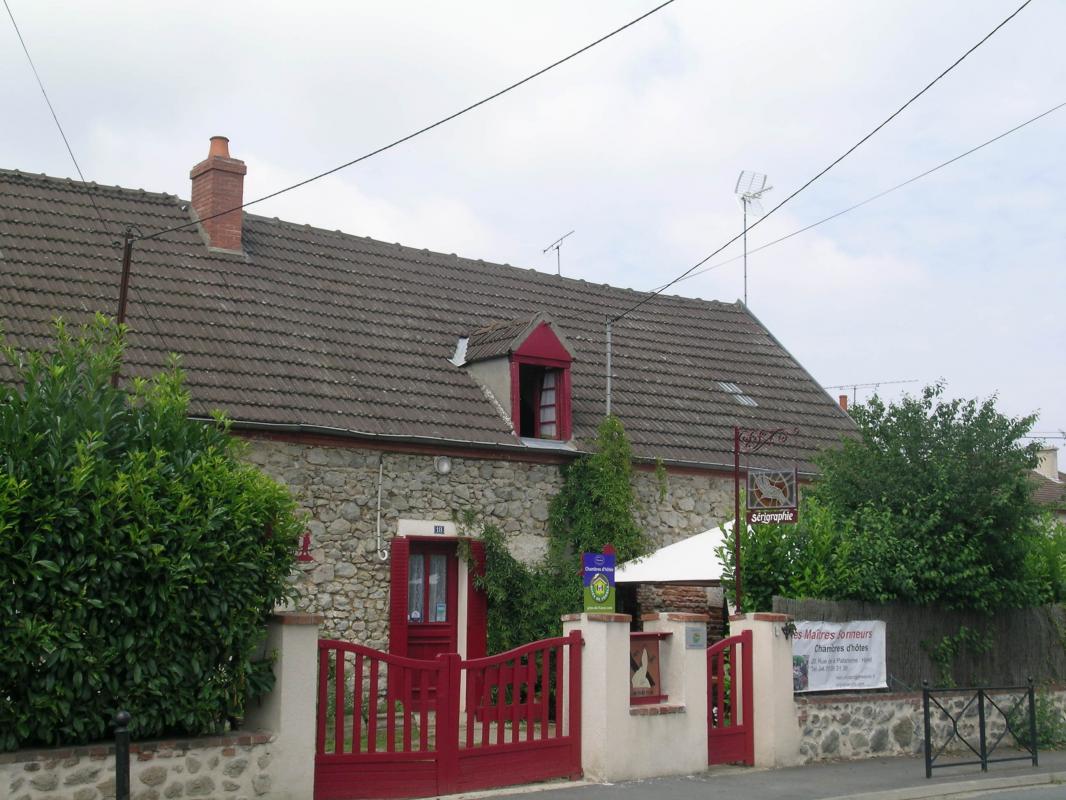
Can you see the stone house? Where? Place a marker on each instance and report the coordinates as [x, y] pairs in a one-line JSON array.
[[390, 387], [1049, 485]]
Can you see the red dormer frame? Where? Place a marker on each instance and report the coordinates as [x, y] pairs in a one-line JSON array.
[[544, 349]]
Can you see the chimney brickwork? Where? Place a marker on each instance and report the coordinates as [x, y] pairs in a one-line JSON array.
[[1048, 465], [217, 186]]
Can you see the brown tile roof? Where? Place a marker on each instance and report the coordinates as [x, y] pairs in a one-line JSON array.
[[1047, 492], [332, 331], [497, 338]]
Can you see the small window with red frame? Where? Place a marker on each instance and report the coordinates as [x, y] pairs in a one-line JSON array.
[[540, 395]]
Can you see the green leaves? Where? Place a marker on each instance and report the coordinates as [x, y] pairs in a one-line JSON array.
[[595, 505], [931, 505], [133, 567], [593, 508]]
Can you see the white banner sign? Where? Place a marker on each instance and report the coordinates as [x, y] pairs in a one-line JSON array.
[[838, 655]]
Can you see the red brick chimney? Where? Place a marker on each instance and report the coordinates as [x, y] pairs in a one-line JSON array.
[[217, 186], [843, 400]]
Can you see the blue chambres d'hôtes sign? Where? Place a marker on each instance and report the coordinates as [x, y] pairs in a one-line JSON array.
[[599, 583]]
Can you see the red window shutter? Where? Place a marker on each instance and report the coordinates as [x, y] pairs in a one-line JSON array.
[[477, 607], [565, 423], [400, 551], [548, 396]]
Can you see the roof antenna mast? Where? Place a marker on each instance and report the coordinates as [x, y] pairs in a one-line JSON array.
[[557, 246], [750, 188]]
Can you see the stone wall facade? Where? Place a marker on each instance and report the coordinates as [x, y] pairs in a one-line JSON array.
[[348, 583], [236, 766], [861, 726]]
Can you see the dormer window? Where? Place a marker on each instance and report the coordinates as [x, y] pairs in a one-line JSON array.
[[525, 366], [539, 396]]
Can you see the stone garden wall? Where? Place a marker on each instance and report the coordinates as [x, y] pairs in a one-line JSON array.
[[338, 486], [871, 725], [232, 766]]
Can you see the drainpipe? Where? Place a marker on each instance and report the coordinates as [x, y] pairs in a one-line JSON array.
[[383, 554], [608, 366]]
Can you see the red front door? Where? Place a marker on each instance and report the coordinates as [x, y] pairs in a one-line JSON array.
[[432, 599]]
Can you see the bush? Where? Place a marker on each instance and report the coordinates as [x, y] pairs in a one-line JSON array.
[[525, 601], [594, 507], [931, 505], [1050, 723], [139, 558]]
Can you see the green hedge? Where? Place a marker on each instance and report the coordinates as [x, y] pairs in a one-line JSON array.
[[139, 557]]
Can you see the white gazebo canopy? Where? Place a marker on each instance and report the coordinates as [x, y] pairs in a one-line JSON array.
[[690, 562]]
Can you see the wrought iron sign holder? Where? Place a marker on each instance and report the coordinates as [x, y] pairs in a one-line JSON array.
[[749, 441]]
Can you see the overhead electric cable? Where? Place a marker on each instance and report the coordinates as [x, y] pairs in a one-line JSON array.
[[70, 151], [868, 385], [420, 131], [55, 117], [818, 175], [877, 196]]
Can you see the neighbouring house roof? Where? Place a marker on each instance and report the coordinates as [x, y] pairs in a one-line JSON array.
[[1047, 492], [341, 333]]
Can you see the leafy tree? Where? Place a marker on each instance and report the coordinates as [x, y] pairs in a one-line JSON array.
[[593, 508], [595, 505], [139, 557], [930, 505]]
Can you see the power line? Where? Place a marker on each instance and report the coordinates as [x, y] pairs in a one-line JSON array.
[[879, 195], [70, 151], [868, 385], [55, 117], [836, 161], [420, 131]]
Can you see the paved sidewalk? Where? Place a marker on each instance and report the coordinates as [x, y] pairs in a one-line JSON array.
[[871, 779]]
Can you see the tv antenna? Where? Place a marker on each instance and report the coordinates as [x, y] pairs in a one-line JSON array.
[[557, 246], [750, 188]]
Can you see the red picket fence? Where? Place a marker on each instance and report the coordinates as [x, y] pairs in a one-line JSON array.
[[730, 713], [390, 726]]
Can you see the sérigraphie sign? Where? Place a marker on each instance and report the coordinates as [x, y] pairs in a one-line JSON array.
[[772, 496], [838, 655], [598, 580]]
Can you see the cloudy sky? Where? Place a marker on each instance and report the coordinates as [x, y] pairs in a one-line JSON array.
[[636, 145]]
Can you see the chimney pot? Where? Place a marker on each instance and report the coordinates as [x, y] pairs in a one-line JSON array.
[[843, 400], [219, 147], [217, 195]]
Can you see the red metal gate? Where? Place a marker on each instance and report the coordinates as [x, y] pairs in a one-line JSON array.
[[730, 708], [506, 719]]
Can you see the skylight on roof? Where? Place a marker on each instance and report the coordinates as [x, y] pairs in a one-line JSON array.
[[738, 394]]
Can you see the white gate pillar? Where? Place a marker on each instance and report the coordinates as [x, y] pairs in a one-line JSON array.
[[777, 733], [620, 741], [289, 711]]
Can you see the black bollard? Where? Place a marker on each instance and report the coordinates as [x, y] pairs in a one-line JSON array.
[[122, 756]]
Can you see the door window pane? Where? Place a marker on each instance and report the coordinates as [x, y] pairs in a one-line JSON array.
[[416, 596], [438, 588]]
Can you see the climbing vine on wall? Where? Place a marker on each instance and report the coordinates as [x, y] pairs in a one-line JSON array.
[[944, 653], [594, 507]]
